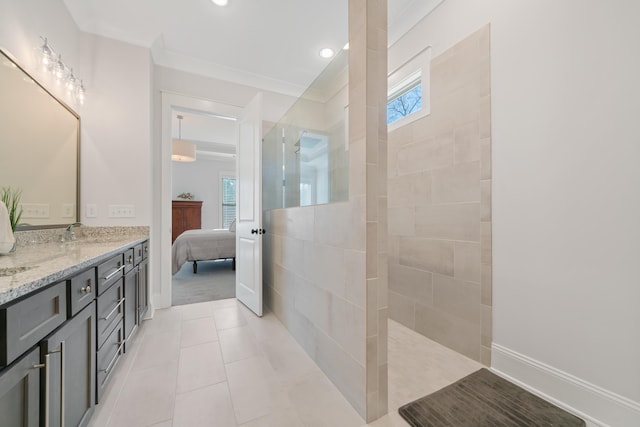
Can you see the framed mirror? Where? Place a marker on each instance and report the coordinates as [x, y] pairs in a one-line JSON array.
[[39, 149]]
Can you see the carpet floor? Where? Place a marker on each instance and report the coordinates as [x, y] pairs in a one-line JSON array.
[[215, 280], [484, 399]]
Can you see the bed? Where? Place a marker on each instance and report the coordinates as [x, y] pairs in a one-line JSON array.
[[203, 245]]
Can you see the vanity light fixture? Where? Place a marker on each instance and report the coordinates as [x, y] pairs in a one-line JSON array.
[[220, 2], [327, 53], [47, 55], [52, 63], [81, 92], [181, 150]]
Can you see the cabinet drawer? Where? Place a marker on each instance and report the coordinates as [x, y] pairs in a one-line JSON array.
[[110, 310], [128, 260], [82, 290], [24, 323], [108, 357], [145, 250], [109, 272], [137, 254]]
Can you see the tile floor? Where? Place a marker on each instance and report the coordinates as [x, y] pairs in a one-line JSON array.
[[217, 364]]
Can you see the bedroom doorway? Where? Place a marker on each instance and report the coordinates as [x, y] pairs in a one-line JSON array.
[[203, 206], [211, 128]]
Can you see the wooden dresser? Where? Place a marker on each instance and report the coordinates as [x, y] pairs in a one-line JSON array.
[[187, 215]]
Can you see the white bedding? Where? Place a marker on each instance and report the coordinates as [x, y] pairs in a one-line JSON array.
[[202, 245]]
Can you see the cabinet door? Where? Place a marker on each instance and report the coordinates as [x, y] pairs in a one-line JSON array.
[[143, 289], [70, 386], [20, 392], [130, 305]]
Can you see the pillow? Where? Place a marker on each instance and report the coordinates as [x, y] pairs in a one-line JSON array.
[[232, 226]]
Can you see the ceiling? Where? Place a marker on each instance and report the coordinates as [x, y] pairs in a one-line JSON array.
[[268, 44]]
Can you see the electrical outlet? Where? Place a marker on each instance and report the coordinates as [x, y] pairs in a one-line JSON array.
[[35, 210], [122, 211], [91, 210], [68, 210]]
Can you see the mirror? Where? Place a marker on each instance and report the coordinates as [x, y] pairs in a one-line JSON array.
[[39, 149]]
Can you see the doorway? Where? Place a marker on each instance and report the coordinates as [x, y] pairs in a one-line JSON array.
[[162, 184]]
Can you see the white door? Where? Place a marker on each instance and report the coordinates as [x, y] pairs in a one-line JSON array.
[[249, 207]]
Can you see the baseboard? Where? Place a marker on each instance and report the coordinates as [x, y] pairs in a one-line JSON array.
[[597, 406]]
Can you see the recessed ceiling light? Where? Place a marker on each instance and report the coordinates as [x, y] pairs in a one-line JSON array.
[[346, 46], [327, 52], [221, 2]]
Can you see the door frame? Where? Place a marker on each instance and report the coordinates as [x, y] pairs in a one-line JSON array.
[[160, 232]]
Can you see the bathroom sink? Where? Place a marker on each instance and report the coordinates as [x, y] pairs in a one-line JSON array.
[[10, 271]]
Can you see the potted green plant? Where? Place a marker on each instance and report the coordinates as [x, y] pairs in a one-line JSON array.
[[11, 199]]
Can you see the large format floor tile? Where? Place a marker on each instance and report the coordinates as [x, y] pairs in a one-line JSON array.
[[217, 364]]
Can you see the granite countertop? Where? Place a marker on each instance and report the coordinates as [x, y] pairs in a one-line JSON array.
[[41, 258]]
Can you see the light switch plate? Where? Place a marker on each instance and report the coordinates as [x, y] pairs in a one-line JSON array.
[[91, 210], [122, 211], [35, 210], [68, 210]]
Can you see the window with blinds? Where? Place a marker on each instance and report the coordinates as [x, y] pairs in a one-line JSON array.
[[228, 200]]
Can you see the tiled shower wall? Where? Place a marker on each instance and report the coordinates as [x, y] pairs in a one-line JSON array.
[[325, 267], [440, 206]]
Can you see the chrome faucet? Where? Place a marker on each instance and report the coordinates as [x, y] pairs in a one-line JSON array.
[[69, 235]]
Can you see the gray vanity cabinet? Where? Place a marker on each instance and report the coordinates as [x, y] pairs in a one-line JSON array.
[[130, 305], [20, 392], [107, 360], [60, 345], [68, 393], [141, 254], [142, 278]]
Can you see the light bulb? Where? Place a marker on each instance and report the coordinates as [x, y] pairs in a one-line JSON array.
[[81, 92], [46, 53], [71, 81], [59, 68], [220, 2]]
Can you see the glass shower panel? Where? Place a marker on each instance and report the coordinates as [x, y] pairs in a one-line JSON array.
[[305, 154]]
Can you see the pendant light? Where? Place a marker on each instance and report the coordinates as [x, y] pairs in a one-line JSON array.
[[182, 151]]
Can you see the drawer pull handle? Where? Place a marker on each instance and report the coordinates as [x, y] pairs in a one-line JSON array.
[[114, 310], [115, 358], [47, 392], [130, 259], [114, 273], [86, 289]]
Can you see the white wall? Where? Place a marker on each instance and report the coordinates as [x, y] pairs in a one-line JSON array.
[[187, 84], [116, 137], [566, 204], [21, 25], [202, 179], [115, 120]]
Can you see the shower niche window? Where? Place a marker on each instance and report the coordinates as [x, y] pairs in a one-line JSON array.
[[305, 155]]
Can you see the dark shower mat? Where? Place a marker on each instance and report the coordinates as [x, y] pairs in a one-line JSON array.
[[484, 399]]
